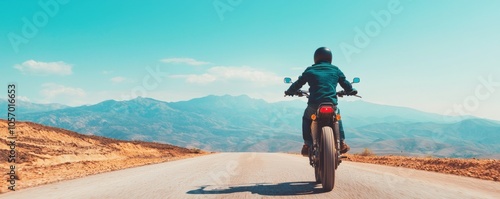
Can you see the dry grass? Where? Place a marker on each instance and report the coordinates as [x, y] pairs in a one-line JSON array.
[[367, 152], [46, 154], [487, 169]]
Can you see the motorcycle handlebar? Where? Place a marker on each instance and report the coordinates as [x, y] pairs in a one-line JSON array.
[[299, 93], [352, 93], [342, 93]]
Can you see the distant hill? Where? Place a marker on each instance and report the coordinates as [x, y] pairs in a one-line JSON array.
[[28, 107], [468, 138], [240, 123], [360, 113], [211, 123]]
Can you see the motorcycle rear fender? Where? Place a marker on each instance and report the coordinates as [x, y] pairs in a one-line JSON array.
[[326, 119]]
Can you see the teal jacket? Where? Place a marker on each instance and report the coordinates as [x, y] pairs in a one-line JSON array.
[[322, 79]]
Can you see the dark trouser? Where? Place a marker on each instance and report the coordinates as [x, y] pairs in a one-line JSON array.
[[306, 124]]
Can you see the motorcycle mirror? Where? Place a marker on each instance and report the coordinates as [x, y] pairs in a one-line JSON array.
[[287, 80], [356, 80]]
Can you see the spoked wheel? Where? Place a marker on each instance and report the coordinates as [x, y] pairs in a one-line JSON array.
[[328, 159]]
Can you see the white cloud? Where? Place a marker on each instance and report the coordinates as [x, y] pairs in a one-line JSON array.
[[189, 61], [44, 68], [199, 79], [245, 73], [239, 74], [106, 72], [118, 79], [23, 98], [204, 78], [50, 91]]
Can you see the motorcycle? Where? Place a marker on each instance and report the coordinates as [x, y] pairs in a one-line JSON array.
[[324, 156]]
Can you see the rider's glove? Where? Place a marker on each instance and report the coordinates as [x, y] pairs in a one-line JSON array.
[[341, 93], [299, 93], [352, 92], [288, 93]]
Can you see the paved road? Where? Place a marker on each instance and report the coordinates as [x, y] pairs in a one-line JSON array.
[[261, 175]]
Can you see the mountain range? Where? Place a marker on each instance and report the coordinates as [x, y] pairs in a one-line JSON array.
[[23, 107], [240, 123]]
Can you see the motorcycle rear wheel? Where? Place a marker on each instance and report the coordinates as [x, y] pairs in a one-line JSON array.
[[328, 159], [317, 174]]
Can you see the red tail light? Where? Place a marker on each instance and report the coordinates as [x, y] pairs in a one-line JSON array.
[[326, 109]]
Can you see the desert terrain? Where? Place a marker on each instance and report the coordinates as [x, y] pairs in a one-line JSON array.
[[486, 169], [46, 154]]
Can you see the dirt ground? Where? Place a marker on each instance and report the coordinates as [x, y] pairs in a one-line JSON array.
[[46, 154], [487, 169]]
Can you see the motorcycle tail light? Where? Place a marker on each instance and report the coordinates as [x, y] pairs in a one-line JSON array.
[[326, 109]]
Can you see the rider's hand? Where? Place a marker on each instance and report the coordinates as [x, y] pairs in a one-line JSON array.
[[288, 93], [341, 93], [352, 92]]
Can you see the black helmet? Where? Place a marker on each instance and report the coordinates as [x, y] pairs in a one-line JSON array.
[[323, 54]]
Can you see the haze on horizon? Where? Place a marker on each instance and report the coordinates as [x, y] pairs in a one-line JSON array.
[[439, 57]]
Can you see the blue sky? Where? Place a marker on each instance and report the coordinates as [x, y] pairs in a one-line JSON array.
[[435, 56]]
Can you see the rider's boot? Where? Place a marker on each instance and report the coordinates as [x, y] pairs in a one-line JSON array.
[[344, 148], [305, 150]]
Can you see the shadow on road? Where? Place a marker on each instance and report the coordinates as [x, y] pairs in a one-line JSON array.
[[281, 189]]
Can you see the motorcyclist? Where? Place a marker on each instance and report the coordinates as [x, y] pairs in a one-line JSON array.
[[322, 78]]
